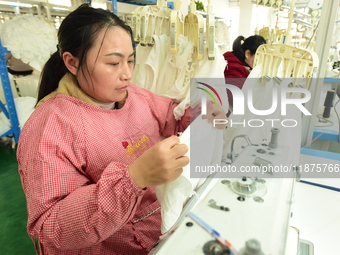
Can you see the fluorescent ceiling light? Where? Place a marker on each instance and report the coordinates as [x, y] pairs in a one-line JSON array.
[[60, 2], [15, 4], [60, 8]]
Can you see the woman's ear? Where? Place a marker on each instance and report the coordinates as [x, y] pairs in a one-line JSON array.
[[247, 54], [249, 58], [71, 62]]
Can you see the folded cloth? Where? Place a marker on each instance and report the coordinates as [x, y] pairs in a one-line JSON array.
[[205, 148]]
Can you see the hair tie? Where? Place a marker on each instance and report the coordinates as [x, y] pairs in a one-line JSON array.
[[58, 49]]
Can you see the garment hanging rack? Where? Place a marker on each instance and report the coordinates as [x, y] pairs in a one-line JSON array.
[[176, 26], [150, 20], [194, 29], [210, 32], [286, 61], [293, 62]]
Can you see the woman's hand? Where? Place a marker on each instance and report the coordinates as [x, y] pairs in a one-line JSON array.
[[160, 164], [216, 114]]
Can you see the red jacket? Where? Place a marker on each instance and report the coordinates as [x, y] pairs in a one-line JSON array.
[[234, 68], [235, 73]]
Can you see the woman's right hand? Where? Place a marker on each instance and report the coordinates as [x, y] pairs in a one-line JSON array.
[[160, 164]]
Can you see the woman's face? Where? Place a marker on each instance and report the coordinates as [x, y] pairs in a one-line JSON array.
[[110, 64]]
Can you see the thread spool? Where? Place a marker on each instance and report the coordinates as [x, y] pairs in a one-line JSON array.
[[328, 104], [274, 138], [252, 247]]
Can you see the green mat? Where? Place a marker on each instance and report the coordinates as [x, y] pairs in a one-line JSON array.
[[14, 239]]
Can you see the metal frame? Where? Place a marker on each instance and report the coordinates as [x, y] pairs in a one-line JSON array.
[[10, 112]]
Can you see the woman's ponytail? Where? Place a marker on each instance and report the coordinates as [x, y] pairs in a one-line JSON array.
[[238, 49], [52, 73], [237, 44]]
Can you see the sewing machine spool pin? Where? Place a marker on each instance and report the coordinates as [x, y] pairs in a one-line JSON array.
[[214, 248]]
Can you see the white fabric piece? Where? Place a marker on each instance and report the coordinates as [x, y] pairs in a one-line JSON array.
[[30, 39], [172, 196]]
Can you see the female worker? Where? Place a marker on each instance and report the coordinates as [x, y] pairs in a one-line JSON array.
[[90, 154], [240, 61]]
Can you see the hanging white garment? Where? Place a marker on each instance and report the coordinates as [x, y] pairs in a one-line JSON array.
[[149, 62], [174, 75], [169, 74], [222, 35], [141, 71], [205, 69], [208, 145], [262, 94]]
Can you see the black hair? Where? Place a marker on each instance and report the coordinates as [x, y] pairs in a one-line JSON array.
[[77, 34], [251, 44]]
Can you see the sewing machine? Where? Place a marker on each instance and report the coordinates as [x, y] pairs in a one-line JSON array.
[[244, 208], [251, 212]]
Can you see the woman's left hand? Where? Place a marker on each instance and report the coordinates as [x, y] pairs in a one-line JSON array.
[[216, 115]]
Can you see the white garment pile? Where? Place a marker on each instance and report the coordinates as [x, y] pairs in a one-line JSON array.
[[30, 39], [207, 142]]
